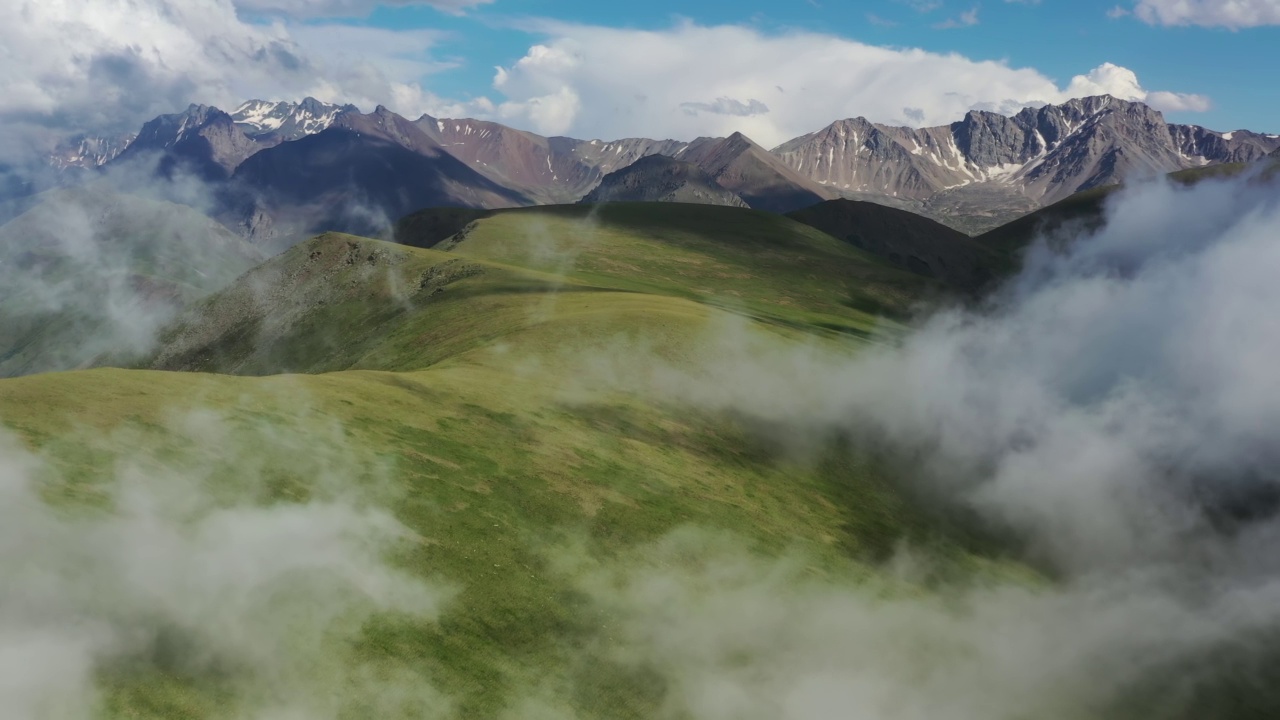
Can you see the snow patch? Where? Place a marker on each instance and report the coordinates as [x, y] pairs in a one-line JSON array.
[[1228, 135]]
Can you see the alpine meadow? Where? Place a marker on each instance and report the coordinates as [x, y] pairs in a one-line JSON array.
[[870, 372]]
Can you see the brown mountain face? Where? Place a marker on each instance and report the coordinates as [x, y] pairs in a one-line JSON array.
[[754, 174], [360, 176], [1040, 154], [548, 170], [658, 178], [974, 174]]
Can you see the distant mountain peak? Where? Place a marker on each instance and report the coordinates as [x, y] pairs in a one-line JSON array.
[[1038, 155], [283, 120], [88, 151]]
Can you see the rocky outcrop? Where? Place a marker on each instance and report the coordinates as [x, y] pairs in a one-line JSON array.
[[203, 140], [284, 121], [1044, 154]]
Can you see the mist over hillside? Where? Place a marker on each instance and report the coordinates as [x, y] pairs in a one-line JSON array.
[[569, 363]]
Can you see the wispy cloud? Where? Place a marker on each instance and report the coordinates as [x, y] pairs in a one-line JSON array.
[[1235, 15], [968, 18]]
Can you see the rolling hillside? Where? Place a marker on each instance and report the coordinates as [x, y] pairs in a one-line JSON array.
[[471, 393]]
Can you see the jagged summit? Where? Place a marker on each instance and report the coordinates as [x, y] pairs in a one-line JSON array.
[[980, 171], [287, 120], [88, 151], [1043, 153], [202, 139]]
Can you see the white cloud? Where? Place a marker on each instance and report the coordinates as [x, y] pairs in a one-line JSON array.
[[109, 65], [968, 18], [727, 106], [1111, 79], [1233, 14], [347, 8], [609, 83]]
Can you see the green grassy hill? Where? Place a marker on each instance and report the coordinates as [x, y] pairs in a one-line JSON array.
[[909, 241], [491, 394]]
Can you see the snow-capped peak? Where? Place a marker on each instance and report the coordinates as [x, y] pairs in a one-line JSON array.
[[86, 151], [288, 120]]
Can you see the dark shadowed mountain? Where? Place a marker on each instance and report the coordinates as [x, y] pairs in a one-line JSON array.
[[658, 178], [357, 176], [910, 241]]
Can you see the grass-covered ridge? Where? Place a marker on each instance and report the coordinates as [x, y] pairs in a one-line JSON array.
[[469, 392]]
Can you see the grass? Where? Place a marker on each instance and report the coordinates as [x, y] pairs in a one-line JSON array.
[[455, 377]]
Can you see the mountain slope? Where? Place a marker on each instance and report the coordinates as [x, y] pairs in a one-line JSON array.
[[765, 265], [88, 273], [338, 302], [203, 141], [506, 473], [283, 121], [909, 241], [358, 176], [749, 171], [86, 151], [658, 178], [1041, 154]]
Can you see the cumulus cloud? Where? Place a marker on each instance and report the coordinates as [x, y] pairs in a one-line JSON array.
[[1111, 79], [587, 81], [109, 65], [1209, 13]]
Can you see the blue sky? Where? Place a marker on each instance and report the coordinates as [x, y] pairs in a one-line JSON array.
[[651, 68], [1234, 68]]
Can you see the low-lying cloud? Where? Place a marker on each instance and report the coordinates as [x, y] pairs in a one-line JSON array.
[[1111, 407], [182, 565]]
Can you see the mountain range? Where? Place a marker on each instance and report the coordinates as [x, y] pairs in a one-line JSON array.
[[277, 163]]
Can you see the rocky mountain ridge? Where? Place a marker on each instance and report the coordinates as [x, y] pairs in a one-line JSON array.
[[286, 120], [88, 151], [975, 173], [1043, 154]]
